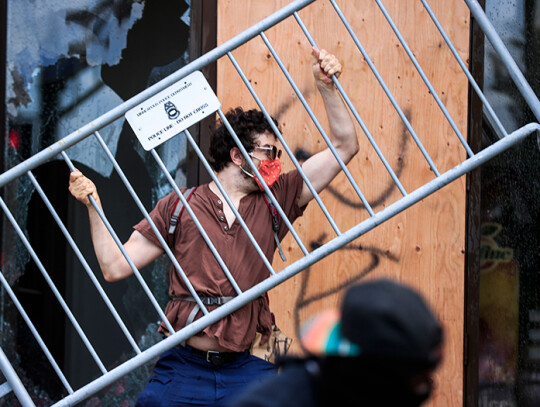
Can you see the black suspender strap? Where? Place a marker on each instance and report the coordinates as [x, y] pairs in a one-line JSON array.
[[179, 207], [205, 301], [177, 210], [196, 308]]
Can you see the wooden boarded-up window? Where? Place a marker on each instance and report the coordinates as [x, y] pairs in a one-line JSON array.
[[423, 246]]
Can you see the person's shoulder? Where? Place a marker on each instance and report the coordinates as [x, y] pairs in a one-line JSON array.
[[167, 203], [167, 200], [172, 197], [290, 174], [286, 180], [292, 387]]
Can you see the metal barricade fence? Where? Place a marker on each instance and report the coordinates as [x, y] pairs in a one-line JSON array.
[[342, 238]]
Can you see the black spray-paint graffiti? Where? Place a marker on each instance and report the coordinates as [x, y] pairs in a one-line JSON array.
[[303, 299], [302, 155]]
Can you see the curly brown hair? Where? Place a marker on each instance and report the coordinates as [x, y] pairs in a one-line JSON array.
[[246, 124]]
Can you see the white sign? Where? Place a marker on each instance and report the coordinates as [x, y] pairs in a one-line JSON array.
[[172, 110]]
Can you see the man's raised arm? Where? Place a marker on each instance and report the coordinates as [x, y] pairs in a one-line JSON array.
[[111, 260], [322, 167]]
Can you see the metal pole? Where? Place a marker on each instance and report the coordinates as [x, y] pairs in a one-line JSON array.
[[425, 78], [269, 193], [36, 334], [290, 271], [490, 113], [100, 122], [283, 143], [317, 123], [385, 88], [146, 215], [353, 109], [229, 201], [14, 381], [197, 223], [116, 239], [83, 261], [513, 69], [51, 284]]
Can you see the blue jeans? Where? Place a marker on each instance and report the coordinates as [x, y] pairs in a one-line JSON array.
[[183, 379]]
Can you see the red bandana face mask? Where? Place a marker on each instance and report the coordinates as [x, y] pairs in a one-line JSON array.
[[269, 170]]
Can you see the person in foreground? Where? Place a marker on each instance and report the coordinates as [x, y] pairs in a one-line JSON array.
[[216, 363], [380, 349]]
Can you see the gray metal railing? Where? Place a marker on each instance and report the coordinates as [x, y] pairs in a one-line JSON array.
[[342, 238], [13, 382]]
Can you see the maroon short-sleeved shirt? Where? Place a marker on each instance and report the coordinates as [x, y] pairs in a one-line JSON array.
[[237, 330]]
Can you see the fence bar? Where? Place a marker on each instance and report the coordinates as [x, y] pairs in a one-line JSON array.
[[40, 266], [354, 111], [487, 117], [83, 262], [290, 271], [342, 239], [385, 88], [490, 113], [107, 118], [284, 143], [425, 78], [317, 124], [14, 381], [229, 202], [504, 54], [150, 222], [5, 388], [36, 334], [261, 180], [197, 223], [124, 252]]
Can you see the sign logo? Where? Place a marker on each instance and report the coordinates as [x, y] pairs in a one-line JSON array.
[[184, 103], [171, 110]]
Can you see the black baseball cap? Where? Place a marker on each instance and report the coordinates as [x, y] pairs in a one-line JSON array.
[[379, 319]]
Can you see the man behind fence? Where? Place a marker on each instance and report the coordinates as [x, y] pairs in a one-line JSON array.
[[215, 364], [379, 349]]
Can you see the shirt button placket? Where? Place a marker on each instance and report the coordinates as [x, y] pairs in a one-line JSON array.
[[222, 218]]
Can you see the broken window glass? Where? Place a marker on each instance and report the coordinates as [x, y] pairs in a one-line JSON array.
[[509, 303], [68, 63]]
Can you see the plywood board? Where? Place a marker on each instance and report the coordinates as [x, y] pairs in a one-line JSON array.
[[423, 246]]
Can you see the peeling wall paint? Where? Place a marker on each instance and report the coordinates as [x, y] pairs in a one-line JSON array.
[[69, 62], [81, 35], [49, 30]]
